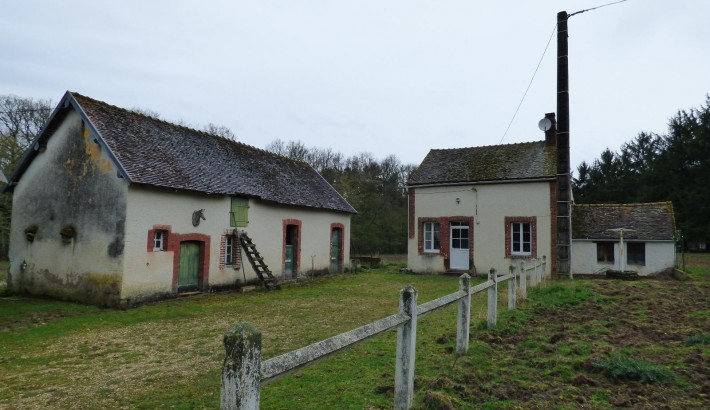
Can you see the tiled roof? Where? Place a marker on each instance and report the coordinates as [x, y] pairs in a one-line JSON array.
[[158, 153], [648, 221], [529, 160]]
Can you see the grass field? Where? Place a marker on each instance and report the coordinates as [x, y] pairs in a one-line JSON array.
[[572, 344]]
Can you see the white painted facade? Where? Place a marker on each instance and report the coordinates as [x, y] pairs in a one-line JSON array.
[[70, 183], [152, 272], [659, 256], [488, 205]]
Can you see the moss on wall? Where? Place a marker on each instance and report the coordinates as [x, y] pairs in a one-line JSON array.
[[74, 206]]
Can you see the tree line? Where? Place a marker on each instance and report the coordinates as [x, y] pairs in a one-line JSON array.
[[674, 166], [376, 188]]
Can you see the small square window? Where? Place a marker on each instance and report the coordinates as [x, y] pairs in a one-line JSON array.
[[160, 239], [636, 253], [605, 252]]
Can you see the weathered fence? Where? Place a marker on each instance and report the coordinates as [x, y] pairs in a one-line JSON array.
[[244, 373]]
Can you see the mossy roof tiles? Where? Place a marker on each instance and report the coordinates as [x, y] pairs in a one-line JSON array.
[[158, 153], [529, 160], [645, 221]]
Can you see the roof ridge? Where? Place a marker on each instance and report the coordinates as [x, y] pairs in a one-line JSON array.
[[490, 146]]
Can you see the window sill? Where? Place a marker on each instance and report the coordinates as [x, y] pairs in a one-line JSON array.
[[431, 253], [520, 256]]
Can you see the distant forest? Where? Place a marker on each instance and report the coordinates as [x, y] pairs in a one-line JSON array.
[[376, 188], [670, 167]]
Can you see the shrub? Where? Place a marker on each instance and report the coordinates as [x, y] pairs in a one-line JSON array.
[[702, 338], [622, 367]]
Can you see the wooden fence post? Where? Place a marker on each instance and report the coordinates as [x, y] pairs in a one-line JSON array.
[[523, 281], [534, 278], [511, 289], [406, 349], [464, 316], [492, 299], [241, 372]]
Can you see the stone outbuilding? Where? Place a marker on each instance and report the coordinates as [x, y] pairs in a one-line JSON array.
[[114, 207], [647, 246]]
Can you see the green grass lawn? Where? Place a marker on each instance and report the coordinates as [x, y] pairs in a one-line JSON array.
[[568, 346]]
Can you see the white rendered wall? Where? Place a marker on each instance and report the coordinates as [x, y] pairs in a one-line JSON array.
[[488, 205], [71, 183], [659, 256], [152, 272]]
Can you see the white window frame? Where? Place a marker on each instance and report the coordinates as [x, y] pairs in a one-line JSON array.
[[519, 238], [229, 250], [429, 238], [159, 238]]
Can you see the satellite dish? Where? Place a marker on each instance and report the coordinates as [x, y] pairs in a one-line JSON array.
[[544, 124]]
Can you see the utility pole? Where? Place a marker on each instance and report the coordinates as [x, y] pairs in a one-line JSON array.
[[564, 210]]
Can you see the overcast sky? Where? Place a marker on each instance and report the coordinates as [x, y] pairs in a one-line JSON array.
[[387, 77]]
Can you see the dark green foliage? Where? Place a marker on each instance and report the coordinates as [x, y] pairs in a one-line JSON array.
[[650, 168], [376, 188], [622, 367]]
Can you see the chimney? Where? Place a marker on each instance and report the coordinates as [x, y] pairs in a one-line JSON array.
[[551, 134]]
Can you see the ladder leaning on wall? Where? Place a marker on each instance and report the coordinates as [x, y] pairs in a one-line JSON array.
[[257, 262]]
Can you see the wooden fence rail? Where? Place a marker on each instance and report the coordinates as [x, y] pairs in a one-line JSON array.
[[244, 373]]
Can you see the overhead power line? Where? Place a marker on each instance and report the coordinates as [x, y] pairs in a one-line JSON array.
[[540, 62], [529, 84], [594, 8]]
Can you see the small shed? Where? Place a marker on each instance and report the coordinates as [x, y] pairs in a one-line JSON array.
[[648, 246]]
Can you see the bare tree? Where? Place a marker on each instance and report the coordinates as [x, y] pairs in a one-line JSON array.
[[20, 121], [220, 131]]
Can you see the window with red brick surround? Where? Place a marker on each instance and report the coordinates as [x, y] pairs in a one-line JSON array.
[[165, 229], [509, 221], [236, 250]]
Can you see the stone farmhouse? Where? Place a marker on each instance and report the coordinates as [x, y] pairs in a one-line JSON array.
[[113, 207]]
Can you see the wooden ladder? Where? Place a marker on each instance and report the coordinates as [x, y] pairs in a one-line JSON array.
[[257, 262]]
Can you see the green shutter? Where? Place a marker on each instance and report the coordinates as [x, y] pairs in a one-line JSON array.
[[239, 213]]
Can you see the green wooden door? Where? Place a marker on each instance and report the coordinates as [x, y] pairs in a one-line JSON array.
[[335, 250], [189, 266], [288, 263]]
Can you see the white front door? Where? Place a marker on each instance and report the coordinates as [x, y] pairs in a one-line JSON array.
[[459, 245]]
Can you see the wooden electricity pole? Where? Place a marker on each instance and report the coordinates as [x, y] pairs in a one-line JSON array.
[[564, 210]]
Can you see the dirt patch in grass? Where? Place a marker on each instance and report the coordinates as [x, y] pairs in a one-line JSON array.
[[561, 355]]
